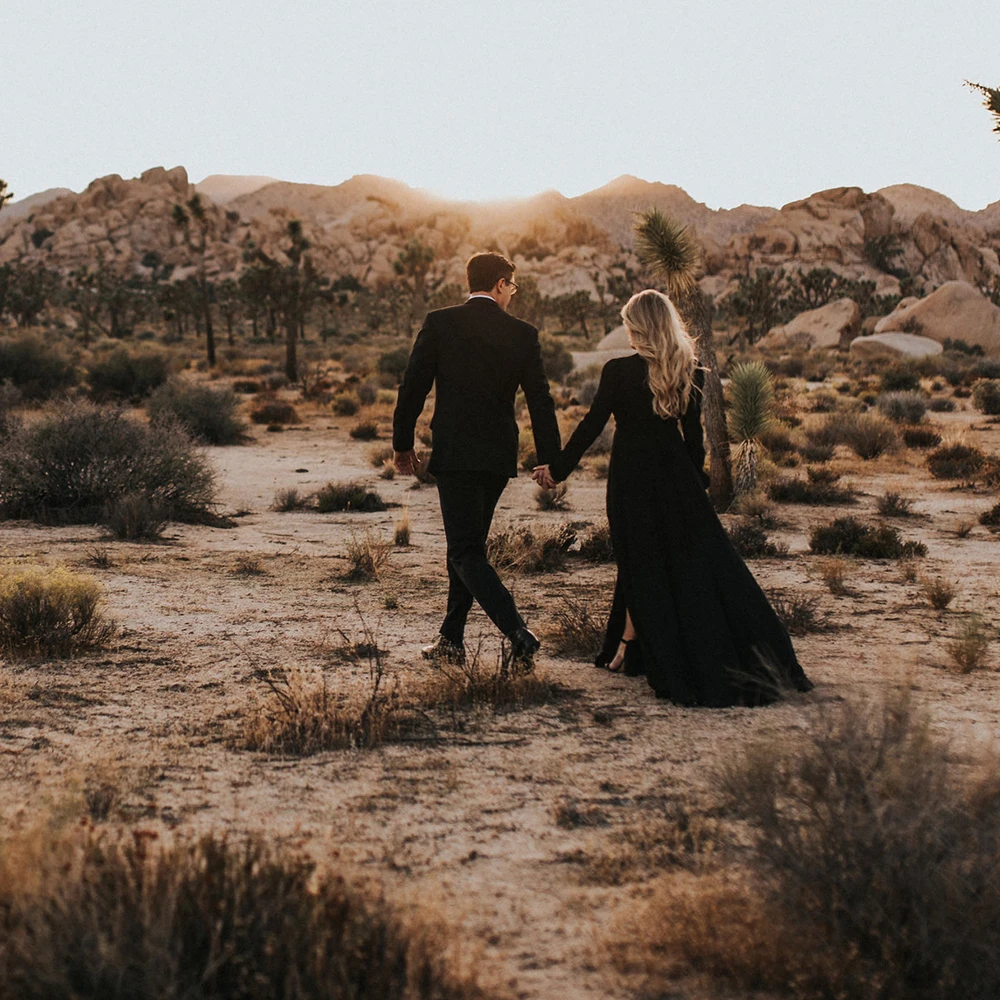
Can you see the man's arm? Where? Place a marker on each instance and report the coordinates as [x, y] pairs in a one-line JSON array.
[[417, 381], [544, 425]]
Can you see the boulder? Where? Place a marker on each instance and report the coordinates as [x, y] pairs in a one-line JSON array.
[[615, 340], [956, 311], [833, 325], [894, 345]]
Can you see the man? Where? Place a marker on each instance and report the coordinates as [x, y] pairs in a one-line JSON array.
[[478, 356]]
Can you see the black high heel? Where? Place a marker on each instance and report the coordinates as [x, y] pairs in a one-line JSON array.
[[623, 669]]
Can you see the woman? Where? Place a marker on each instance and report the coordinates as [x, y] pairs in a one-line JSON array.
[[686, 612]]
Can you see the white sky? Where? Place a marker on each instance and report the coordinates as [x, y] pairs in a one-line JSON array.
[[735, 102]]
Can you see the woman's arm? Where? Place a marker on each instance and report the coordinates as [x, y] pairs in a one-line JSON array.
[[587, 430]]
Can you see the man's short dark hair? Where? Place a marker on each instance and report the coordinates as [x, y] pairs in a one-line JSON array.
[[484, 270]]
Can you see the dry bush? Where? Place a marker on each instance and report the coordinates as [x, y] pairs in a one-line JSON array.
[[36, 368], [135, 518], [208, 414], [554, 499], [818, 453], [920, 437], [364, 430], [352, 496], [991, 518], [941, 404], [73, 460], [575, 632], [402, 532], [597, 546], [755, 504], [527, 457], [964, 528], [123, 376], [902, 407], [777, 441], [289, 499], [868, 436], [799, 613], [909, 570], [986, 396], [346, 404], [833, 572], [751, 541], [938, 591], [967, 651], [50, 613], [892, 504], [380, 454], [271, 411], [850, 537], [124, 919], [818, 488], [100, 557], [247, 386], [539, 549], [873, 875], [247, 564], [568, 814], [367, 555], [956, 461]]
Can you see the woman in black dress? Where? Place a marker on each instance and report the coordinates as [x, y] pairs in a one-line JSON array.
[[686, 612]]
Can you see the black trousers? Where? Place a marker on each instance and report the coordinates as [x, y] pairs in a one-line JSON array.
[[468, 500]]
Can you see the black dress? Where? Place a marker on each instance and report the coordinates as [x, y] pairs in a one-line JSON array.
[[706, 633]]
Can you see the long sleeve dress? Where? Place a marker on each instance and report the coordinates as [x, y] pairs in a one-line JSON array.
[[706, 632]]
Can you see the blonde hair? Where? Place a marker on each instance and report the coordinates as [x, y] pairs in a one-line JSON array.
[[660, 337]]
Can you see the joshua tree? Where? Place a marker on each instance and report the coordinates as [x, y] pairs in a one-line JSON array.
[[751, 397], [991, 101], [5, 195], [670, 252], [198, 242]]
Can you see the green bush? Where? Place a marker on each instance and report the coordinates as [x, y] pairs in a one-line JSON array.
[[902, 407], [68, 465], [125, 377], [37, 369], [899, 377], [205, 413], [847, 536], [986, 396]]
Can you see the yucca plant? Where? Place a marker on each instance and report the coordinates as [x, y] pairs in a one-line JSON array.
[[751, 398], [991, 101], [670, 252]]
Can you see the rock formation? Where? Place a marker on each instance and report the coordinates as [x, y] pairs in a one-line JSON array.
[[834, 325], [894, 345]]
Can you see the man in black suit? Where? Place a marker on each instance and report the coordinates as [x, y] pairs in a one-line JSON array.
[[477, 355]]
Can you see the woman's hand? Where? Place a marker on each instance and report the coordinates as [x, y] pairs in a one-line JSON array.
[[543, 476]]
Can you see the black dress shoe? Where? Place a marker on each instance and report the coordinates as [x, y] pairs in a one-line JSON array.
[[519, 651], [444, 650]]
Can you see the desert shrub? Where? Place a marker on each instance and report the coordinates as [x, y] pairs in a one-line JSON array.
[[556, 359], [402, 531], [867, 436], [134, 517], [273, 411], [961, 392], [755, 505], [817, 453], [69, 464], [368, 392], [537, 549], [902, 407], [367, 555], [596, 545], [10, 397], [348, 496], [288, 499], [799, 613], [850, 537], [205, 918], [479, 683], [125, 377], [751, 541], [991, 518], [899, 377], [777, 440], [938, 591], [346, 404], [527, 457], [554, 499], [833, 572], [956, 461], [967, 651], [986, 396], [822, 402], [50, 613], [379, 454], [575, 632], [247, 386], [205, 413], [874, 861], [920, 437], [892, 504], [247, 564], [364, 430], [819, 488], [988, 368], [393, 363], [941, 404], [37, 369]]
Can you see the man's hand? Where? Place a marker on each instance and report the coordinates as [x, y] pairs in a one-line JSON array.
[[406, 462], [543, 476]]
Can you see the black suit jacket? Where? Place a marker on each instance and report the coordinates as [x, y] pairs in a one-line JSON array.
[[478, 356]]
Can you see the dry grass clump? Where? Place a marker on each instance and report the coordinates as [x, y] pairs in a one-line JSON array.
[[346, 404], [50, 613], [920, 437], [367, 555], [818, 488], [597, 546], [379, 455], [271, 411], [850, 537], [72, 461], [967, 651], [755, 504], [751, 541], [402, 531], [986, 396], [892, 504], [351, 496], [124, 919], [938, 591], [867, 435], [575, 632], [135, 518], [991, 518], [902, 407], [873, 874], [816, 453], [554, 499], [956, 461], [799, 613], [247, 564], [364, 430], [833, 572], [539, 549], [289, 499], [941, 404]]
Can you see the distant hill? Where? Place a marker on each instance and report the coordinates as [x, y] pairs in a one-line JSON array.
[[223, 188], [23, 208]]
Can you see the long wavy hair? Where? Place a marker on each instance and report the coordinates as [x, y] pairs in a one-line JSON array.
[[660, 337]]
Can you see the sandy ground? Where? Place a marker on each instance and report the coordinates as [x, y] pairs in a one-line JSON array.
[[468, 824]]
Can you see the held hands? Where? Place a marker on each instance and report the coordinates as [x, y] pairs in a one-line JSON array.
[[543, 476]]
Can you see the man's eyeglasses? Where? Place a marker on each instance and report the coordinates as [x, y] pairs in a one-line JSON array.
[[511, 284]]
